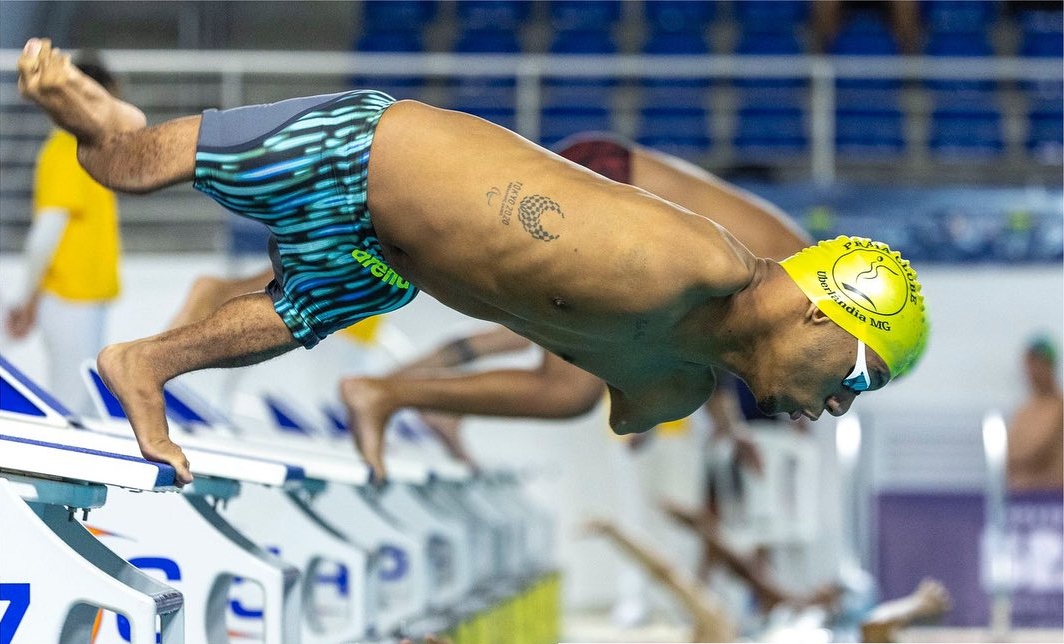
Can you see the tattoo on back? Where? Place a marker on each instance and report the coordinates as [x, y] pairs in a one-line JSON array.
[[531, 209]]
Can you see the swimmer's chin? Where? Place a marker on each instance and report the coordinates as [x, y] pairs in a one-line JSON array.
[[769, 405]]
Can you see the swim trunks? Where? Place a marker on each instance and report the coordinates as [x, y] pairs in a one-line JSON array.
[[301, 167], [600, 153]]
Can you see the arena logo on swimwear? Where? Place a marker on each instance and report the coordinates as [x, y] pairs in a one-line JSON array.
[[379, 269]]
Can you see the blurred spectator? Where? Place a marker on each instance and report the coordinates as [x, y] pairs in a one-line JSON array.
[[71, 257], [1036, 431], [830, 17]]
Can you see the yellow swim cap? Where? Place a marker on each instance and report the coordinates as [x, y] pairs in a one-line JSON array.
[[868, 290]]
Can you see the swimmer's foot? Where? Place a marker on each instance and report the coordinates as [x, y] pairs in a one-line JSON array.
[[448, 427], [76, 103], [368, 412], [127, 372]]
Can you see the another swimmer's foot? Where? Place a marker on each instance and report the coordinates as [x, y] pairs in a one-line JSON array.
[[128, 374], [368, 412], [449, 429]]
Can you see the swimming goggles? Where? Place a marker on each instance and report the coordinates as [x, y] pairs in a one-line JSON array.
[[859, 379]]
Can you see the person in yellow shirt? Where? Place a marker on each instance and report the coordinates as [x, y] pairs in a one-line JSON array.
[[71, 257]]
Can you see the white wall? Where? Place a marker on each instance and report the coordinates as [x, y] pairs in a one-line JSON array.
[[981, 317]]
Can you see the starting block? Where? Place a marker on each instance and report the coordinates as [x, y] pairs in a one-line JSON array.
[[205, 553], [41, 485]]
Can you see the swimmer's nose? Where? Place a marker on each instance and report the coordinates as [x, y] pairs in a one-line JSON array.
[[837, 406]]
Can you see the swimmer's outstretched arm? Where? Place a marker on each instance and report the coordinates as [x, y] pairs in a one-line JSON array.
[[114, 145], [928, 600], [244, 331], [711, 623], [769, 593]]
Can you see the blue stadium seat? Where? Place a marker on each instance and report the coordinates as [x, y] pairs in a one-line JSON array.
[[683, 132], [398, 40], [943, 16], [869, 124], [966, 127], [487, 41], [408, 15], [959, 43], [1041, 32], [678, 43], [1045, 130], [583, 41], [770, 123], [556, 123], [678, 15], [401, 41], [678, 92], [865, 34], [584, 15], [580, 92], [769, 40], [1042, 36], [780, 13], [492, 98], [506, 15]]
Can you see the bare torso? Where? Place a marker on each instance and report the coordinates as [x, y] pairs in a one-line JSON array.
[[612, 278], [1036, 444]]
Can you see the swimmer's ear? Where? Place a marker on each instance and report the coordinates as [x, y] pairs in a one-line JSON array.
[[815, 315]]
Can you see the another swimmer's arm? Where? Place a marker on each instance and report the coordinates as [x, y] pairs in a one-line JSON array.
[[41, 242], [723, 408], [650, 561]]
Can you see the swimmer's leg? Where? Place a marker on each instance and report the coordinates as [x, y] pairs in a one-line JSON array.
[[244, 331], [556, 389], [114, 144], [209, 292]]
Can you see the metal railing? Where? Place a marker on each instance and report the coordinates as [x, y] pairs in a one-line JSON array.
[[233, 67], [168, 83]]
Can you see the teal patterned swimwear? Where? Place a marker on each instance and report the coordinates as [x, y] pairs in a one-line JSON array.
[[300, 167]]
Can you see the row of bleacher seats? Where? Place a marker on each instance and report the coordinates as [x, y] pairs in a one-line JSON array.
[[775, 121], [950, 27], [966, 117]]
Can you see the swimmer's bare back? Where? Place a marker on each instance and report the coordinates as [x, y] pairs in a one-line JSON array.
[[612, 278]]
